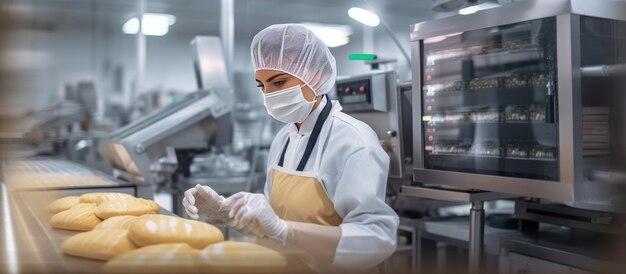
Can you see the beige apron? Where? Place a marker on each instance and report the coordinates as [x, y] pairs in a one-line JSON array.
[[300, 196]]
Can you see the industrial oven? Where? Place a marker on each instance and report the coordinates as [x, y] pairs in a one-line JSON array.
[[527, 99]]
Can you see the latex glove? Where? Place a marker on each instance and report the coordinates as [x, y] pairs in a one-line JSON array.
[[203, 200], [252, 213]]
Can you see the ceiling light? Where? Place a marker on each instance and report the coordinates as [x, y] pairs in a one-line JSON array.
[[332, 35], [155, 24], [364, 16], [475, 8]]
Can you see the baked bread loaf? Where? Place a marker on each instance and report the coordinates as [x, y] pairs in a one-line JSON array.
[[135, 207], [154, 259], [159, 229], [83, 205], [63, 204], [121, 222], [81, 217], [241, 257], [96, 197], [98, 244]]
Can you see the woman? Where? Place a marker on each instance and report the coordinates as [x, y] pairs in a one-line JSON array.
[[327, 172]]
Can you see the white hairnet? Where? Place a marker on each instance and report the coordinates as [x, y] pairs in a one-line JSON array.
[[294, 49]]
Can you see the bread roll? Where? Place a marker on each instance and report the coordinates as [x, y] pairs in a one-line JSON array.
[[159, 229], [96, 197], [83, 205], [240, 257], [154, 259], [134, 207], [155, 207], [63, 204], [122, 222], [81, 217], [98, 244]]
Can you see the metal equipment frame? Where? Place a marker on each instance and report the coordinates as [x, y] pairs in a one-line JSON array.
[[567, 14]]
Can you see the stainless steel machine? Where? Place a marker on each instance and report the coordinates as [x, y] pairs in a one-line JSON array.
[[159, 147], [524, 100], [378, 100], [157, 151]]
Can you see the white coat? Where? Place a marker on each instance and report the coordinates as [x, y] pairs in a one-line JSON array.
[[353, 169]]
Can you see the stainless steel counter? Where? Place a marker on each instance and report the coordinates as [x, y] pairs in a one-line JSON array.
[[36, 243], [29, 244]]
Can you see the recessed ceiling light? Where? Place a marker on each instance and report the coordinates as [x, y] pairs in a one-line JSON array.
[[155, 24], [332, 35]]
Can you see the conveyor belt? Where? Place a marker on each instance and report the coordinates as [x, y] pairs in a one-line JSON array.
[[38, 243], [47, 173], [32, 223], [29, 244]]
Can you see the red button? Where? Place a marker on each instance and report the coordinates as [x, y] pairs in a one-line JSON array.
[[347, 90], [430, 138], [362, 89]]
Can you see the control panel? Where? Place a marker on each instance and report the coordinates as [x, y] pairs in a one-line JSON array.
[[362, 93]]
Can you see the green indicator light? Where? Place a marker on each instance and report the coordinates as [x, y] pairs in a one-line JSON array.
[[426, 118], [172, 99], [362, 57]]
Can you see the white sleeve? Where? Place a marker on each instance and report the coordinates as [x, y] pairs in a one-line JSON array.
[[368, 230]]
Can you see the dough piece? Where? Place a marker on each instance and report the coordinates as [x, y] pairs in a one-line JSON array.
[[154, 259], [81, 218], [98, 244], [241, 257], [83, 205], [134, 207], [121, 222], [96, 197], [159, 229], [63, 204], [156, 207]]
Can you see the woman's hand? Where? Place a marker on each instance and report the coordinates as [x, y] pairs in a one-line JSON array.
[[253, 214], [203, 200]]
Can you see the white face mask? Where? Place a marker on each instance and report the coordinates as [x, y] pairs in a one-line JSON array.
[[288, 105]]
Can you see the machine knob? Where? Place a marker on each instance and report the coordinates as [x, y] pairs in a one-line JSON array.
[[392, 133]]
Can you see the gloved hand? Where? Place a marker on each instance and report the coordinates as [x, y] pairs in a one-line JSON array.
[[252, 213], [202, 200]]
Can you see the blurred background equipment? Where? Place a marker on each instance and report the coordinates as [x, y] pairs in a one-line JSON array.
[[55, 129]]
